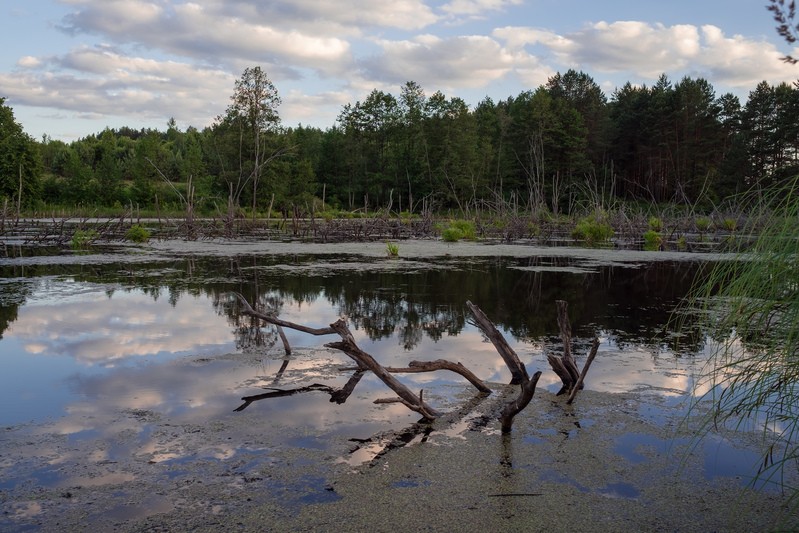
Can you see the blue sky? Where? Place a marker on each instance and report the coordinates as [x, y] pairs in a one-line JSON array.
[[70, 68]]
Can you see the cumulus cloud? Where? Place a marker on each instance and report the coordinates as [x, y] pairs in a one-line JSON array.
[[475, 8], [647, 50], [179, 58], [100, 80], [465, 61]]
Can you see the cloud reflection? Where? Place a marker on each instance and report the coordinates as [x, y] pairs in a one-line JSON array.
[[98, 329]]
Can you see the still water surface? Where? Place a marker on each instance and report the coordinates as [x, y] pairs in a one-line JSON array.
[[111, 335], [117, 367]]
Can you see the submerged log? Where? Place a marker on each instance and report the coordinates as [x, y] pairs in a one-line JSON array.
[[518, 371], [279, 393]]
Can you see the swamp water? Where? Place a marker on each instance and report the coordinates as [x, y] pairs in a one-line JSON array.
[[121, 373]]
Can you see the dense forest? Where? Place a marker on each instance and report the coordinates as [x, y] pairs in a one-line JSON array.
[[559, 148]]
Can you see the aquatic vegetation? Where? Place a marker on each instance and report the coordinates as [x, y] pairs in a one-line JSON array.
[[593, 229], [137, 233], [392, 249], [459, 229], [653, 241], [751, 306], [82, 239], [702, 224], [655, 224]]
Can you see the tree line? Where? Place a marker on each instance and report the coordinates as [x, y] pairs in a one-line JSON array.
[[559, 148]]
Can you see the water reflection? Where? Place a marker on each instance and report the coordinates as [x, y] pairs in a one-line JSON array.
[[81, 319]]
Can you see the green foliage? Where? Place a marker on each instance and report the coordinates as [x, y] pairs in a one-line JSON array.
[[552, 150], [451, 234], [702, 224], [82, 239], [655, 224], [653, 241], [593, 229], [729, 224], [466, 227], [751, 305], [392, 249], [20, 161], [137, 233], [459, 229]]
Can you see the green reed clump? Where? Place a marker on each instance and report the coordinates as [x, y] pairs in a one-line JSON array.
[[751, 307]]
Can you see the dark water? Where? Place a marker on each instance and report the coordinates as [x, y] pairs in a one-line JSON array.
[[68, 331]]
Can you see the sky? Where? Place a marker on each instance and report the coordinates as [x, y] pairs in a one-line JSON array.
[[71, 68]]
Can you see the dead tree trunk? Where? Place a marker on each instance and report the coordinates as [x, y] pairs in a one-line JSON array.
[[564, 366], [518, 371], [515, 407]]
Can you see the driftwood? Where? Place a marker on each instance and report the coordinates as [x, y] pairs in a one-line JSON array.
[[517, 369], [515, 407], [279, 393], [442, 364], [348, 346], [565, 367], [579, 385], [566, 336]]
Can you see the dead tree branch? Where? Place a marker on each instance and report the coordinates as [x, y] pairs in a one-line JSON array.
[[349, 347], [579, 385], [442, 364], [565, 367], [518, 371], [513, 408]]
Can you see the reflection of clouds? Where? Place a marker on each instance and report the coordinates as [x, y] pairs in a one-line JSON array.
[[94, 328]]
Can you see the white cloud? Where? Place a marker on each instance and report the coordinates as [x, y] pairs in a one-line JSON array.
[[101, 81], [646, 50], [29, 62], [475, 8], [465, 61]]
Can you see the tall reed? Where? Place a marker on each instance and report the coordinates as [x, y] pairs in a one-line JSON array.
[[751, 311]]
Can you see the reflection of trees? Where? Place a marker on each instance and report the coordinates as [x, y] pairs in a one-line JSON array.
[[633, 303]]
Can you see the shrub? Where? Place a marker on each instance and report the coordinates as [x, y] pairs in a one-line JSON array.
[[653, 241], [459, 229], [452, 234], [655, 224], [392, 249], [81, 239], [702, 224], [466, 227], [593, 230], [137, 233]]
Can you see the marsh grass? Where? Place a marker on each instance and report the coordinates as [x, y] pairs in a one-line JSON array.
[[751, 310]]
